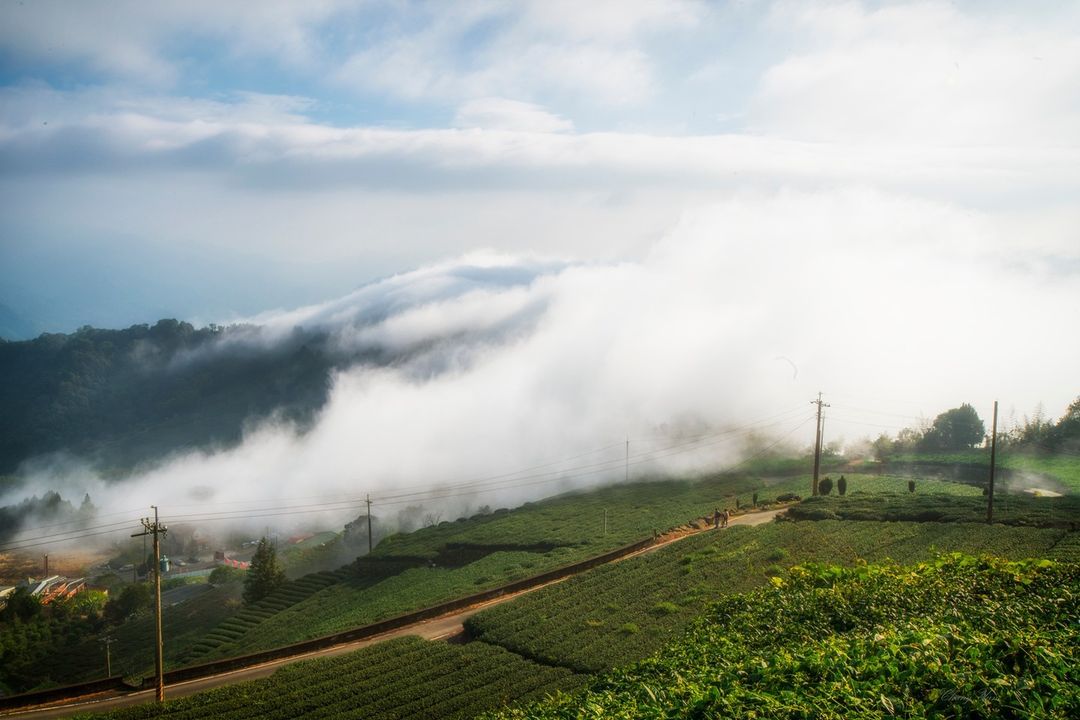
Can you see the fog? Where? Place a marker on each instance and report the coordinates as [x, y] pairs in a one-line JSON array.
[[731, 322]]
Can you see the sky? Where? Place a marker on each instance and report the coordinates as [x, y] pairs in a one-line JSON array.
[[731, 204]]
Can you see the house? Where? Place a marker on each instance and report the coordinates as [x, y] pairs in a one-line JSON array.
[[53, 587]]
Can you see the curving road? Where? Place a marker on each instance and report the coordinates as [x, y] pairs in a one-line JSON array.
[[439, 628]]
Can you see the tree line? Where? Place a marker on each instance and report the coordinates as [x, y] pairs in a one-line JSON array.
[[961, 428], [118, 398]]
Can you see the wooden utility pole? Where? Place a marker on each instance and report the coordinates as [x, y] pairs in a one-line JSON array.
[[993, 459], [156, 529], [817, 442], [46, 564], [369, 524], [108, 657]]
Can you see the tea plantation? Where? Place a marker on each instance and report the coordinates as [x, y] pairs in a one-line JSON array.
[[953, 637], [403, 678], [622, 612]]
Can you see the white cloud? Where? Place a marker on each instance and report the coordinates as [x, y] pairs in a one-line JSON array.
[[873, 296], [128, 38], [907, 190], [594, 52], [261, 142], [610, 20], [922, 74], [504, 114]]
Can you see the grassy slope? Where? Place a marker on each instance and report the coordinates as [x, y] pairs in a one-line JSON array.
[[1063, 467], [658, 594], [1008, 509], [701, 568], [573, 522], [620, 613], [956, 637], [858, 483], [403, 678]]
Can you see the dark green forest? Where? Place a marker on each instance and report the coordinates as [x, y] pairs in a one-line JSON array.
[[118, 398]]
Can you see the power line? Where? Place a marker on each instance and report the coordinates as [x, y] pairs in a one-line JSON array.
[[68, 539], [877, 412], [488, 484], [439, 492], [480, 484], [61, 536]]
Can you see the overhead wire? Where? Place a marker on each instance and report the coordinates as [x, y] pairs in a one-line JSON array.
[[517, 478]]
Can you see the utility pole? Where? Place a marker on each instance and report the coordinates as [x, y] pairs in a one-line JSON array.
[[817, 441], [155, 529], [993, 458], [108, 657], [46, 564], [368, 500]]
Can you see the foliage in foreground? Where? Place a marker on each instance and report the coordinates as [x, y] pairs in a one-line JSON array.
[[954, 637], [404, 678]]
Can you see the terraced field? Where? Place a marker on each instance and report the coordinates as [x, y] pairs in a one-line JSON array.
[[857, 484], [622, 612], [453, 559], [1064, 468], [405, 678], [236, 626], [957, 637], [1008, 509]]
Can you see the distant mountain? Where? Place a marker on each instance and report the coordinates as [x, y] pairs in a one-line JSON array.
[[14, 326], [122, 397], [119, 398]]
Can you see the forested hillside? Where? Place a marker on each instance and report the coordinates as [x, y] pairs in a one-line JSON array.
[[121, 397]]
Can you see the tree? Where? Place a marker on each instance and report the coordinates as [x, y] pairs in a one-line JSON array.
[[955, 429], [883, 447], [264, 575], [133, 598], [21, 604], [223, 574]]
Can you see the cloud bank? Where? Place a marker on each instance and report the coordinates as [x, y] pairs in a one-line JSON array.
[[503, 363]]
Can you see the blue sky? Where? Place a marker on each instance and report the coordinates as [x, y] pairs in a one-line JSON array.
[[214, 162]]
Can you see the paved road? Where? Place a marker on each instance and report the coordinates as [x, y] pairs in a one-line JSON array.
[[436, 629]]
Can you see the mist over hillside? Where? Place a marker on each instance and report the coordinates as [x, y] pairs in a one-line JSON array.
[[489, 363], [120, 399]]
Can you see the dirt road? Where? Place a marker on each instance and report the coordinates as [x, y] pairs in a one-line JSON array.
[[436, 629]]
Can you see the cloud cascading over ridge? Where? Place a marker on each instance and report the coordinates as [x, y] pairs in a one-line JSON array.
[[505, 363]]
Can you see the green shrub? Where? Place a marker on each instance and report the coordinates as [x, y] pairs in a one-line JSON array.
[[777, 554], [665, 608], [224, 574]]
